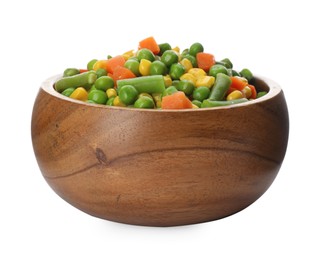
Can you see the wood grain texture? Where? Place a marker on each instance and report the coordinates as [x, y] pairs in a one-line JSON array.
[[160, 168]]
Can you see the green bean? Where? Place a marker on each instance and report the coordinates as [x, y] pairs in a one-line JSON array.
[[246, 73], [227, 63], [145, 84], [85, 79], [220, 87], [217, 103]]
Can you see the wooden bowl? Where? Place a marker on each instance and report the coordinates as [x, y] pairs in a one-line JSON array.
[[160, 167]]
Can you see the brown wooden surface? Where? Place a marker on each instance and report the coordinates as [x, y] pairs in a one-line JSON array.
[[159, 168]]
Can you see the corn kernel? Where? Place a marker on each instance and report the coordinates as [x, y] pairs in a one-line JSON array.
[[236, 94], [144, 94], [197, 72], [187, 64], [118, 103], [80, 94], [176, 49], [111, 92], [167, 81], [247, 92], [100, 64], [190, 77], [144, 67], [158, 104], [207, 81], [128, 54]]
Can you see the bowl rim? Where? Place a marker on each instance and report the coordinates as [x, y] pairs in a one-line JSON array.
[[273, 90]]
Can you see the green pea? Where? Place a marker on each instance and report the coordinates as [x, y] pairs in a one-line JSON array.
[[91, 101], [186, 86], [176, 70], [169, 57], [158, 68], [67, 92], [128, 94], [101, 72], [217, 68], [201, 93], [196, 102], [92, 88], [104, 82], [169, 91], [91, 63], [98, 96], [195, 48], [145, 54], [164, 47], [144, 102], [133, 58], [110, 101], [185, 52], [246, 73], [70, 72], [175, 82], [133, 65], [261, 94]]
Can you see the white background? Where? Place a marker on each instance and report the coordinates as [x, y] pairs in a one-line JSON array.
[[282, 40]]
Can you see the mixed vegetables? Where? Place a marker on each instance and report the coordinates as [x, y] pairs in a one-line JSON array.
[[159, 76]]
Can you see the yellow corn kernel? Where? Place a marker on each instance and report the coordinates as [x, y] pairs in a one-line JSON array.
[[128, 54], [157, 97], [144, 94], [167, 80], [236, 94], [190, 77], [197, 72], [176, 49], [187, 64], [247, 92], [207, 81], [111, 92], [80, 94], [144, 67], [118, 103], [100, 64]]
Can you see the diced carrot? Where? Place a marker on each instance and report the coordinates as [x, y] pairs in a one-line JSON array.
[[83, 70], [149, 43], [122, 73], [177, 100], [238, 83], [254, 92], [114, 62], [205, 60]]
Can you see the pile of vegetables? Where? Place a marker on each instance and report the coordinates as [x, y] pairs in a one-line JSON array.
[[159, 76]]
